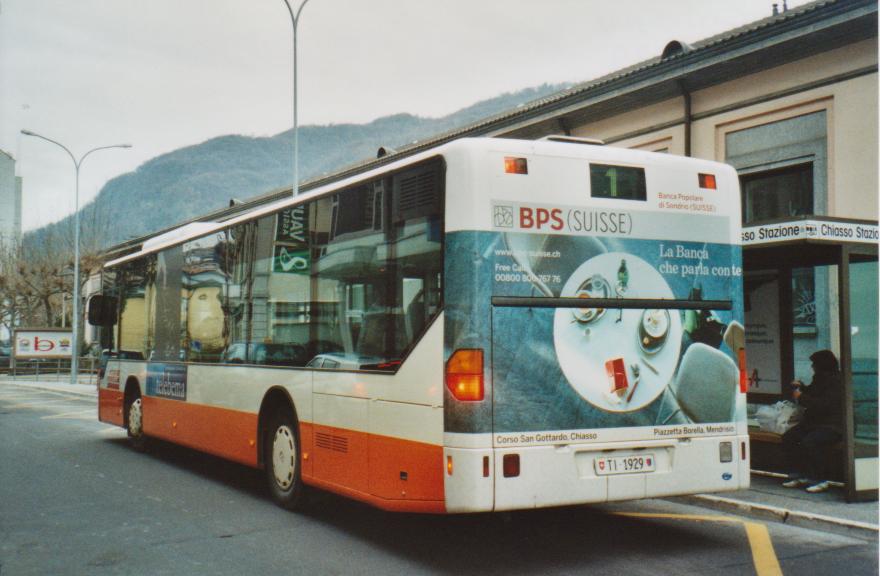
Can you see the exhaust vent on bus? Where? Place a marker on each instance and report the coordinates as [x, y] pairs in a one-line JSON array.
[[331, 442]]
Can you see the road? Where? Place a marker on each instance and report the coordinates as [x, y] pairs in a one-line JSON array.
[[75, 499]]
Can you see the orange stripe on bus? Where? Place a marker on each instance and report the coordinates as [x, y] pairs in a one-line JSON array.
[[417, 506], [110, 404], [306, 440], [402, 469], [220, 431], [341, 457], [388, 473]]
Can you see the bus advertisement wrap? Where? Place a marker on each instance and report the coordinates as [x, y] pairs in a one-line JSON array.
[[166, 380], [574, 370]]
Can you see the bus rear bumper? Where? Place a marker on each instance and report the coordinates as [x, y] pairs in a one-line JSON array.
[[570, 474]]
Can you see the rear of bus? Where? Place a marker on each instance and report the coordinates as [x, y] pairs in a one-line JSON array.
[[553, 401]]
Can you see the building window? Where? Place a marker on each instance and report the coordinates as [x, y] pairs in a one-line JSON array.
[[781, 193], [782, 166]]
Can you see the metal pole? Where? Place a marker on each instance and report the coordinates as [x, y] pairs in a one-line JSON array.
[[294, 20], [74, 359]]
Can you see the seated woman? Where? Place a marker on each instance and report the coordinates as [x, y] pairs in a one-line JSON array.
[[807, 444]]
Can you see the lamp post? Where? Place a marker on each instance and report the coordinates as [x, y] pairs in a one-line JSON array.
[[294, 20], [74, 360]]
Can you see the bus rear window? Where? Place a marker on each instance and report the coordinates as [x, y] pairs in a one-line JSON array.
[[619, 182]]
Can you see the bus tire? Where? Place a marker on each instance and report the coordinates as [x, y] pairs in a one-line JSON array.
[[282, 460], [134, 421]]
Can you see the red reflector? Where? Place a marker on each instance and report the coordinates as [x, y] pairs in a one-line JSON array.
[[743, 377], [516, 165], [485, 466], [707, 181], [511, 465], [743, 449], [464, 375]]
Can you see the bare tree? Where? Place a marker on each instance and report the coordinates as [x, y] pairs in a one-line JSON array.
[[36, 275]]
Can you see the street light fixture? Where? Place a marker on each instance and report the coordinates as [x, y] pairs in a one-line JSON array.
[[74, 360], [294, 20]]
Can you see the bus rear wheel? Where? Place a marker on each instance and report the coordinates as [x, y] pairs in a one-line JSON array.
[[282, 458], [134, 423]]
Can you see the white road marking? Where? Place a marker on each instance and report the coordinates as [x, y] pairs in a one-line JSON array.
[[90, 414], [39, 404]]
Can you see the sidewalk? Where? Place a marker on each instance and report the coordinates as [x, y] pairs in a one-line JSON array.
[[765, 500], [83, 388]]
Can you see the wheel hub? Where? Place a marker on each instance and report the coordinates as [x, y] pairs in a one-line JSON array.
[[284, 457], [135, 418]]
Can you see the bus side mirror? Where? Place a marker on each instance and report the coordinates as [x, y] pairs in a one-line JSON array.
[[102, 310]]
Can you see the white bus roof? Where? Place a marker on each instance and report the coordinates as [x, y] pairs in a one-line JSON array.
[[562, 147]]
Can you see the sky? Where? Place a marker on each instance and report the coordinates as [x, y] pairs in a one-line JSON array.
[[164, 74]]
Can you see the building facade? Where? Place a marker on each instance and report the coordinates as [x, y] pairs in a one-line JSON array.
[[792, 103], [10, 201]]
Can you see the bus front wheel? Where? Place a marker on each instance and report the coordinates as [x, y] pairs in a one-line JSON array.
[[283, 474]]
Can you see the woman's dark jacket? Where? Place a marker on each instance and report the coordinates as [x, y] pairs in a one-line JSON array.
[[823, 401]]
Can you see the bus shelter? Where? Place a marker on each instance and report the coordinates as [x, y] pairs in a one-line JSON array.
[[811, 283]]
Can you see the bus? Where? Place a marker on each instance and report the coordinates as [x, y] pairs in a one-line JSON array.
[[488, 325]]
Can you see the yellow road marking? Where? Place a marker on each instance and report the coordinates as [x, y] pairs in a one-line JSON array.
[[763, 555]]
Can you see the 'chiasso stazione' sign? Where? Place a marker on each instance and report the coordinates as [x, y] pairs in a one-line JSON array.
[[810, 230]]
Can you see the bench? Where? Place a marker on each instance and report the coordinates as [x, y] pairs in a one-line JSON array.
[[766, 453], [762, 436]]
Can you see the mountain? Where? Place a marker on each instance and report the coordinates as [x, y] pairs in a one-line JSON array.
[[195, 180]]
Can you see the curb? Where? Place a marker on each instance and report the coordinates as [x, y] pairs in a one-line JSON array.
[[854, 528]]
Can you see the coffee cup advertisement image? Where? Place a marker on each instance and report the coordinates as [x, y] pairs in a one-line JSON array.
[[588, 367], [647, 341]]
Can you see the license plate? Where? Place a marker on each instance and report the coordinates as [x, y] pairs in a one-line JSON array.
[[625, 464]]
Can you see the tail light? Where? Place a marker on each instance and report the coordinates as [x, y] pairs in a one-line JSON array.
[[516, 165], [464, 375], [510, 465], [708, 181], [743, 377]]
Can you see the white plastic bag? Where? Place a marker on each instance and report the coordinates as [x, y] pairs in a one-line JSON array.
[[789, 416], [766, 417], [780, 417]]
